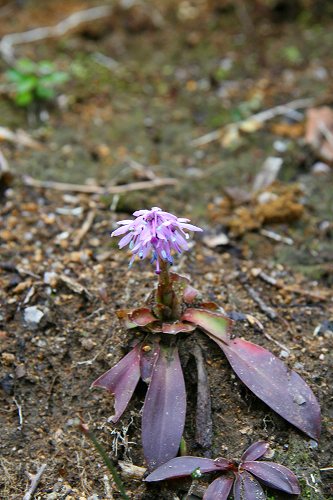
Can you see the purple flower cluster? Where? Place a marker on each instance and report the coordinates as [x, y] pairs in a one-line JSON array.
[[156, 233]]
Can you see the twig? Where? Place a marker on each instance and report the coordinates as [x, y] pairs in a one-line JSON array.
[[19, 137], [81, 188], [9, 41], [75, 286], [20, 414], [131, 471], [289, 288], [204, 424], [326, 132], [89, 361], [107, 62], [141, 169], [34, 482], [260, 117], [85, 228], [107, 487], [282, 346], [276, 237], [269, 311]]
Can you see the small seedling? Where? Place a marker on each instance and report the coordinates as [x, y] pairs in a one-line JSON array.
[[173, 311], [242, 477], [115, 476], [33, 81]]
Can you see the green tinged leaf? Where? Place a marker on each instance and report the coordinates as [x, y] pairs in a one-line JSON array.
[[27, 84], [26, 66], [43, 92], [14, 76], [24, 99], [46, 68]]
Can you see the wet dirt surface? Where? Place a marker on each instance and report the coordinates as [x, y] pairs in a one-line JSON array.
[[180, 73]]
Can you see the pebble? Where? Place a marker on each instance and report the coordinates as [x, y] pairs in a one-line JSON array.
[[51, 278], [280, 146], [266, 197], [32, 316], [320, 168], [88, 344], [8, 358], [215, 241], [269, 453], [20, 371]]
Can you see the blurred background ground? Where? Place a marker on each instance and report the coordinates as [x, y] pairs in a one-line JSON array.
[[147, 82]]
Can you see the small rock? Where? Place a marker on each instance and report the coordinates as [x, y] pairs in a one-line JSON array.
[[320, 168], [266, 197], [215, 241], [284, 354], [88, 344], [280, 146], [7, 383], [20, 371], [32, 316], [269, 453], [51, 278], [94, 242], [245, 430], [8, 358]]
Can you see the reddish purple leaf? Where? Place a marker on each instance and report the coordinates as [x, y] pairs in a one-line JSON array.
[[274, 475], [219, 489], [190, 294], [210, 306], [246, 487], [215, 324], [179, 278], [148, 360], [271, 381], [177, 327], [155, 327], [183, 466], [164, 409], [122, 380], [255, 451], [142, 316]]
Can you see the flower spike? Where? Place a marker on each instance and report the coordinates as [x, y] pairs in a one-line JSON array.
[[155, 233]]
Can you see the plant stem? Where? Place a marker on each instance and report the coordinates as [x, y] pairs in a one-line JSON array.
[[165, 292], [85, 429], [183, 447]]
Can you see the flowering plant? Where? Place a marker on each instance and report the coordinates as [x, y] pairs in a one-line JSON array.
[[241, 476], [173, 311]]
